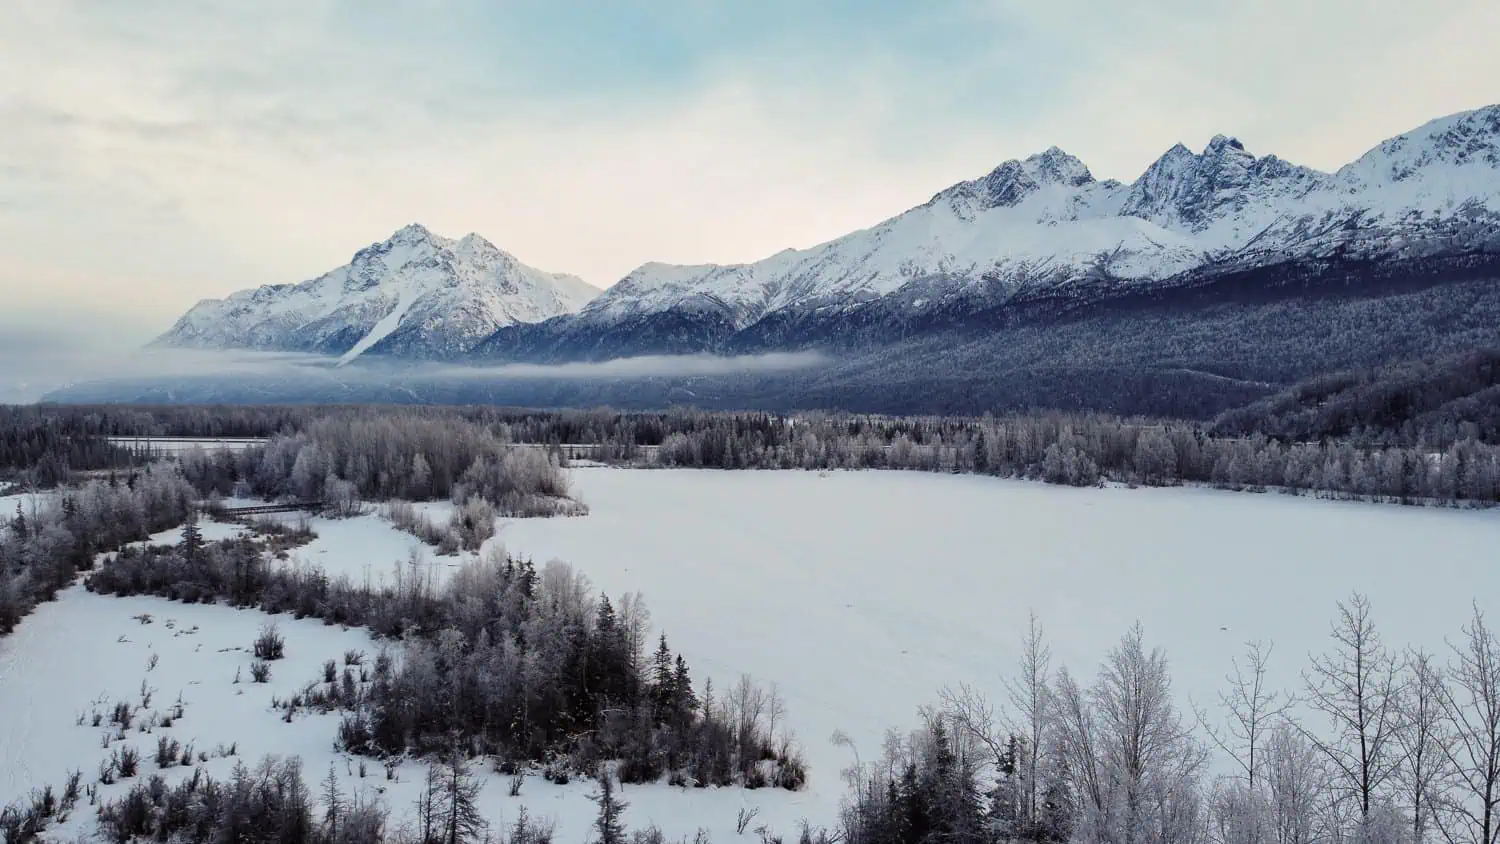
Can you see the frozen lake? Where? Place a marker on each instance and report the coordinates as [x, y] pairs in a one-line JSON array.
[[863, 593]]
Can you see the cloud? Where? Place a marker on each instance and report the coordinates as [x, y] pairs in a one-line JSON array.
[[157, 153], [645, 366], [36, 360]]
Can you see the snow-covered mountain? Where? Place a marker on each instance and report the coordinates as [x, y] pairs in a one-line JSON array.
[[1040, 233], [416, 294], [1046, 226]]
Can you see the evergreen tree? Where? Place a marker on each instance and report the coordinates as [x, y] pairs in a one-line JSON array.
[[608, 825], [192, 537], [1006, 810], [462, 821], [610, 675], [684, 701], [663, 682], [911, 809]]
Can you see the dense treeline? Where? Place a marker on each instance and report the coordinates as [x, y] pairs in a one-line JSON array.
[[383, 456], [43, 548], [413, 453], [1378, 747], [1085, 450], [339, 460], [43, 447], [1432, 403], [525, 666]]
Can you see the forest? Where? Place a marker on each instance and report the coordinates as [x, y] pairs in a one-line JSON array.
[[412, 452]]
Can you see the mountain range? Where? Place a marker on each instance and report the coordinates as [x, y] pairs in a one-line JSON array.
[[1237, 269]]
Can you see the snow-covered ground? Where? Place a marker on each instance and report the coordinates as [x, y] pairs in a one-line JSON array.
[[85, 652], [211, 531], [860, 593], [27, 501], [369, 549], [178, 445], [863, 593]]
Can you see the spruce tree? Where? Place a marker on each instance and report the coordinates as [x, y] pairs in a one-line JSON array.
[[462, 821], [663, 682], [684, 701], [608, 825], [192, 537], [911, 812]]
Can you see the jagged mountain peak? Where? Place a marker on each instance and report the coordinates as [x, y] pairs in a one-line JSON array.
[[1222, 144], [1458, 140], [1196, 189], [1014, 180], [414, 233], [416, 292]]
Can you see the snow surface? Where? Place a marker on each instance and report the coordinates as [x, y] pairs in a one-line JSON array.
[[179, 445], [29, 502], [200, 648], [864, 593], [860, 594], [448, 294], [405, 298], [368, 549], [212, 532]]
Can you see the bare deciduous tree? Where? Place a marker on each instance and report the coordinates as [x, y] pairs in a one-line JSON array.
[[1252, 710], [1031, 698], [1423, 738], [1470, 701], [1357, 688]]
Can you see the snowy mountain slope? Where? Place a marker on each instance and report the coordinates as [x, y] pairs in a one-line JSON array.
[[1046, 224], [416, 294]]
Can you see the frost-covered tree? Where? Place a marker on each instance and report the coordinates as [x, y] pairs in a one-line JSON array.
[[1424, 738], [1356, 687], [608, 826], [1469, 813]]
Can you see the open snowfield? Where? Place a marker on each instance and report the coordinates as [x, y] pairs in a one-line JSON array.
[[178, 445], [27, 501], [860, 593], [211, 531], [85, 652], [366, 548], [863, 593]]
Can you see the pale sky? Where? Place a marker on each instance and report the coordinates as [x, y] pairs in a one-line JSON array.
[[154, 153]]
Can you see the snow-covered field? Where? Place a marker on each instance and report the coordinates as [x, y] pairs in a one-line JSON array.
[[85, 652], [860, 594], [178, 445], [863, 593], [27, 501]]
